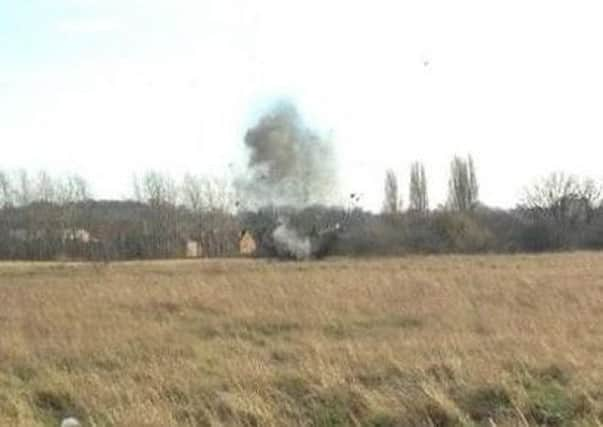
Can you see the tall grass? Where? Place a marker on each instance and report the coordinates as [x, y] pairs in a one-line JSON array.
[[432, 341]]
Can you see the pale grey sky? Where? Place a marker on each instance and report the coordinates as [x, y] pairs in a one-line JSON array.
[[107, 88]]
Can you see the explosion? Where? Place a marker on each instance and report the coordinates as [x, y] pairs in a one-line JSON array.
[[291, 168]]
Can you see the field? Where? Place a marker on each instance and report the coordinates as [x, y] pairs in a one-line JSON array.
[[417, 341]]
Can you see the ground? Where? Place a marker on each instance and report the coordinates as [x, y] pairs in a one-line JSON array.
[[441, 341]]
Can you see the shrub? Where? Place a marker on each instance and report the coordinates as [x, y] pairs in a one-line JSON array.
[[540, 237], [460, 232]]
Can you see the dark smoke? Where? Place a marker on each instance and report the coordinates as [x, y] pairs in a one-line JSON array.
[[289, 164], [290, 167]]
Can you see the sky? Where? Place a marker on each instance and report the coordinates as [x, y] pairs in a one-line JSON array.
[[111, 88]]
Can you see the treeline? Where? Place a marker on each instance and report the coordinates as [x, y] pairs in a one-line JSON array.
[[560, 212], [44, 217]]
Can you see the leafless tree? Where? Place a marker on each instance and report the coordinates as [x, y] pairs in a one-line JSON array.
[[218, 195], [45, 190], [213, 202], [72, 189], [155, 189], [463, 189], [72, 194], [6, 202], [562, 199], [201, 193], [192, 192], [392, 202], [6, 190], [162, 231], [418, 199], [590, 195], [23, 190]]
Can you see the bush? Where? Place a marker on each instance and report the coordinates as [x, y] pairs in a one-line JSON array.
[[460, 232], [540, 237]]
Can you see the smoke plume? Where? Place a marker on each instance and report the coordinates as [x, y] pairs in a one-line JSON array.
[[289, 244], [289, 164], [290, 168]]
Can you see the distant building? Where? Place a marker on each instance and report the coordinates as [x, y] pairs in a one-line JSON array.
[[193, 249], [247, 244]]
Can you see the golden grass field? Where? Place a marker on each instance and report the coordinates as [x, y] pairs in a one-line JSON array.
[[417, 341]]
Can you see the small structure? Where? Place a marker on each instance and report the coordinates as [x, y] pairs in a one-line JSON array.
[[193, 249], [247, 245]]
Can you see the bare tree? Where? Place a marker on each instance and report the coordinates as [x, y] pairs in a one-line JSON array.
[[418, 199], [590, 196], [6, 202], [155, 189], [463, 189], [72, 192], [192, 192], [6, 190], [201, 193], [160, 193], [213, 202], [23, 191], [72, 189], [562, 199], [45, 190], [392, 202], [218, 195]]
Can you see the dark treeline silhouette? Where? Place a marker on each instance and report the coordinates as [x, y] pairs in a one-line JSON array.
[[44, 218], [560, 212], [47, 218]]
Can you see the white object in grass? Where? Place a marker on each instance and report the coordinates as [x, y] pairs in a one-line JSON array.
[[70, 422]]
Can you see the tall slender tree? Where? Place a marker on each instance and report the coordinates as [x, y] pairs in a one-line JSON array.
[[418, 200], [6, 190], [463, 189], [392, 203]]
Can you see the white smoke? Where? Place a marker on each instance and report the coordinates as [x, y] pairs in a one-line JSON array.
[[291, 244]]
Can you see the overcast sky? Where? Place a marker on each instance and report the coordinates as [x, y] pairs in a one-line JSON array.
[[107, 88]]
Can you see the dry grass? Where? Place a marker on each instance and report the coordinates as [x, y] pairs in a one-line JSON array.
[[442, 341]]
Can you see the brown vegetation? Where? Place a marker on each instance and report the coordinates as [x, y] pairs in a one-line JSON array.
[[440, 341]]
